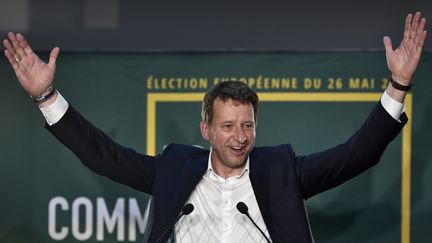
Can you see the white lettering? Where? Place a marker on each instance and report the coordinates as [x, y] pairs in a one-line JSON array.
[[87, 217], [103, 218], [52, 216], [88, 222], [135, 218]]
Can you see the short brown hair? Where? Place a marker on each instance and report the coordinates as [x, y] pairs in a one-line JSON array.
[[235, 90]]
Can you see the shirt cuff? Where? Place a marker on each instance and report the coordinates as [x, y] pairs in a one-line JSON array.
[[54, 112], [393, 107]]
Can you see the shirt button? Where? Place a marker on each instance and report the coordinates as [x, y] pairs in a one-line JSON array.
[[226, 223]]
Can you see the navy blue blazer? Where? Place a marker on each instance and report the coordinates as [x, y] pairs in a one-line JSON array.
[[281, 180]]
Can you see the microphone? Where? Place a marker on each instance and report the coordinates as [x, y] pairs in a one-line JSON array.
[[186, 210], [242, 208]]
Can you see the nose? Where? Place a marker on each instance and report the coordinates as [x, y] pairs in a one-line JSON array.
[[240, 135]]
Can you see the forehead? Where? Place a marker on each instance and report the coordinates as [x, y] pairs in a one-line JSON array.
[[230, 109]]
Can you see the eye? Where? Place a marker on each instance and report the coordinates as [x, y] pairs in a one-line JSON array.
[[226, 126], [249, 125]]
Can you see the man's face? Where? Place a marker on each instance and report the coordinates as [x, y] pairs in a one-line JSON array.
[[231, 134]]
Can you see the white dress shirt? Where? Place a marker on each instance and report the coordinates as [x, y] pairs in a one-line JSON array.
[[215, 218]]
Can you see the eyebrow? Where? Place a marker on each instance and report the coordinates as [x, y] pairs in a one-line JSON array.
[[230, 122], [226, 122]]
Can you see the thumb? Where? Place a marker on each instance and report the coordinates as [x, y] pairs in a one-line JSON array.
[[53, 57], [387, 45]]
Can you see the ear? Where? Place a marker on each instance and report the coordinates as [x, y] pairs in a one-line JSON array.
[[205, 130]]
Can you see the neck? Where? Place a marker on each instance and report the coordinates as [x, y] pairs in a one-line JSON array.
[[225, 171]]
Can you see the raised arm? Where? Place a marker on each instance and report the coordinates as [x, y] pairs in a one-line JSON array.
[[92, 146], [34, 75], [403, 61]]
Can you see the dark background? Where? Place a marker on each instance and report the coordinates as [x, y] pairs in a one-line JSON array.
[[209, 25]]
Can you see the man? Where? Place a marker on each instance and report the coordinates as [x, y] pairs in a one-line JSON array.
[[272, 181]]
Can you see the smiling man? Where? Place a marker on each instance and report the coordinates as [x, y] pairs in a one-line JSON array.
[[272, 181], [228, 123]]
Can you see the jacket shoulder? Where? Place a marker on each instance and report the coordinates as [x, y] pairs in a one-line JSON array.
[[183, 148], [276, 150]]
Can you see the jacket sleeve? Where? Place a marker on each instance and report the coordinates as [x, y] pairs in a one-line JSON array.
[[321, 171], [102, 155]]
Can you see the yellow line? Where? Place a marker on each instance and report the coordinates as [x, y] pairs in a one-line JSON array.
[[313, 97], [151, 124], [406, 174], [153, 98], [176, 97]]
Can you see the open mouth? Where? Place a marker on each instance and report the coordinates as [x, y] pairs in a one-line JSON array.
[[237, 150]]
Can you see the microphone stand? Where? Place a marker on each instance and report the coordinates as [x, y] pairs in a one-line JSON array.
[[187, 209], [242, 208]]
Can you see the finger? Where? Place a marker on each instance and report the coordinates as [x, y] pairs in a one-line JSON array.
[[407, 26], [14, 57], [421, 41], [414, 25], [11, 59], [11, 36], [26, 47], [9, 46], [16, 45], [53, 57], [20, 45], [419, 31], [388, 45], [420, 28]]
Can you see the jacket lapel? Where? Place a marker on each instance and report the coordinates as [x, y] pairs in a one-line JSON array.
[[194, 170], [175, 191], [259, 180]]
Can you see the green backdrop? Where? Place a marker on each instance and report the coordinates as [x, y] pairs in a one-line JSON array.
[[48, 196]]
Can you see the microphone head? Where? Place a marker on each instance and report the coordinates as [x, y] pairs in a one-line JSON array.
[[242, 208], [187, 209]]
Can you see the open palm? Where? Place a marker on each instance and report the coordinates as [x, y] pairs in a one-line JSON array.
[[403, 61], [34, 75]]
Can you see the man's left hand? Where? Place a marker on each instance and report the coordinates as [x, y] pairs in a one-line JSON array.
[[403, 61]]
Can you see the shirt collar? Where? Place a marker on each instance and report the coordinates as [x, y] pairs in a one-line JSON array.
[[210, 169]]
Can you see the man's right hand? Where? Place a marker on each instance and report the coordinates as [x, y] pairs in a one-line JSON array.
[[34, 75]]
